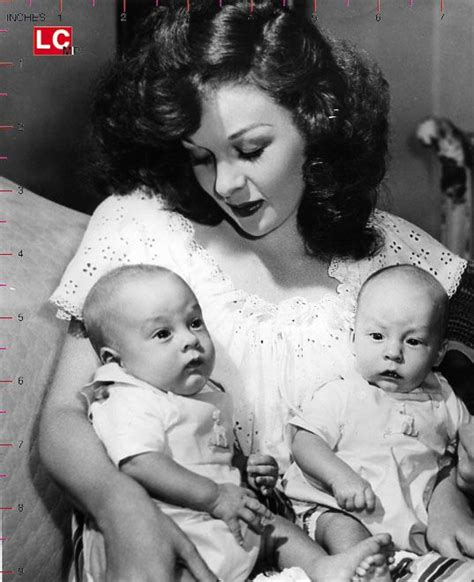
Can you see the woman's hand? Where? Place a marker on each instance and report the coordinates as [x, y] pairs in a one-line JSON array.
[[465, 470], [450, 529], [262, 472], [144, 545], [452, 535]]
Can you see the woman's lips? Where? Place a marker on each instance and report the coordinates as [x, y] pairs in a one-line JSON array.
[[247, 209]]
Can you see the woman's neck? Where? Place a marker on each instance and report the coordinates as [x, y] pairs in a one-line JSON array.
[[281, 244], [274, 267]]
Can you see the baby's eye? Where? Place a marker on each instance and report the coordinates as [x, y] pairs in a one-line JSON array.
[[376, 336], [162, 334], [197, 323], [412, 341]]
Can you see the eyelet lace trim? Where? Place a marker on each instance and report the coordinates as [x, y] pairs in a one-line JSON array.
[[349, 274], [252, 305]]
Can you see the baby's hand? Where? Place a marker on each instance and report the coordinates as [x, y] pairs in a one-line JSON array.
[[353, 493], [233, 503], [262, 472]]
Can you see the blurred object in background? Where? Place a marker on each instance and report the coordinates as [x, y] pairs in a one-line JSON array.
[[455, 149]]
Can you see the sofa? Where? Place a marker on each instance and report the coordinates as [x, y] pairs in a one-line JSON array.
[[41, 237]]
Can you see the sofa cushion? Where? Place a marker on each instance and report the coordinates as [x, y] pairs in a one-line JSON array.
[[46, 235]]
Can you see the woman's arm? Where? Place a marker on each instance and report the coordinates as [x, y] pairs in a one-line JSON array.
[[450, 520], [142, 544], [465, 468], [458, 364], [169, 481]]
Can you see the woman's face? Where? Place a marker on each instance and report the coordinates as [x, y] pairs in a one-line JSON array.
[[248, 155]]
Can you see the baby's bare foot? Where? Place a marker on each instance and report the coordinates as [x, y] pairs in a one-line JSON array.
[[373, 569], [370, 558]]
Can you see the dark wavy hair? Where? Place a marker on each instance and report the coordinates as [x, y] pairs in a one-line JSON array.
[[151, 98]]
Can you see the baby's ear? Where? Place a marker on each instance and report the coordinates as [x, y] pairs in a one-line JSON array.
[[109, 355], [441, 352]]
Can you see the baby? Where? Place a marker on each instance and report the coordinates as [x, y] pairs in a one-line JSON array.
[[167, 425], [368, 448]]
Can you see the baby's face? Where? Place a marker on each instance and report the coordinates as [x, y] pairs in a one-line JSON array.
[[161, 336], [396, 339]]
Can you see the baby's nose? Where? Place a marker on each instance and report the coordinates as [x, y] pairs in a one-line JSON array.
[[190, 341], [393, 351]]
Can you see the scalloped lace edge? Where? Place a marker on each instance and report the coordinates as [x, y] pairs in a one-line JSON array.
[[257, 303], [251, 302]]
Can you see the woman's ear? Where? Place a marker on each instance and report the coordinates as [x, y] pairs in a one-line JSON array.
[[441, 353], [109, 355]]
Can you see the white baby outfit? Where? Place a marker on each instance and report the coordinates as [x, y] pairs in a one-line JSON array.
[[268, 355], [397, 442], [196, 431]]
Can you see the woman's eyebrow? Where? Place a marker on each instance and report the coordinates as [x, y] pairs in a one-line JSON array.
[[248, 128], [235, 135]]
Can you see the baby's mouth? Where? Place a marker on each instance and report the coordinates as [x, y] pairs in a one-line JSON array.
[[194, 364], [246, 209], [391, 374]]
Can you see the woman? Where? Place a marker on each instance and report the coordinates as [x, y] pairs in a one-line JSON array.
[[244, 154]]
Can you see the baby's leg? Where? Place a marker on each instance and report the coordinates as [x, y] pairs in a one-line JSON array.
[[336, 532], [366, 561]]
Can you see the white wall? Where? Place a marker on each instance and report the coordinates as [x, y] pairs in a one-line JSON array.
[[429, 65], [51, 95]]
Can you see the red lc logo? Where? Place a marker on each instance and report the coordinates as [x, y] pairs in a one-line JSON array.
[[52, 41]]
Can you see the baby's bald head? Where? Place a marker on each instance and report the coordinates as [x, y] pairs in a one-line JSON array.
[[404, 280], [101, 311]]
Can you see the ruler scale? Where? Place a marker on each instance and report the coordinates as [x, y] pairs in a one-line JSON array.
[[54, 47]]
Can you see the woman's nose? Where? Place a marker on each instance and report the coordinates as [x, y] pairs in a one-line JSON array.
[[229, 179]]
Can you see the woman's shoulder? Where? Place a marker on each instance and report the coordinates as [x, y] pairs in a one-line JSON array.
[[137, 214], [402, 243], [397, 229], [126, 229], [136, 205]]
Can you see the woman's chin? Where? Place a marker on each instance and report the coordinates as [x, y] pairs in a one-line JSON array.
[[253, 229]]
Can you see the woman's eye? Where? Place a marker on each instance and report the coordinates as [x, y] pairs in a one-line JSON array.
[[197, 323], [162, 334], [376, 336], [200, 161], [253, 155], [209, 159]]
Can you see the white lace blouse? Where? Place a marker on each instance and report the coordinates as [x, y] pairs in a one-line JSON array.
[[268, 356]]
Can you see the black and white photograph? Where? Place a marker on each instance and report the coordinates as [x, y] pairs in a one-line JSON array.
[[237, 290]]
